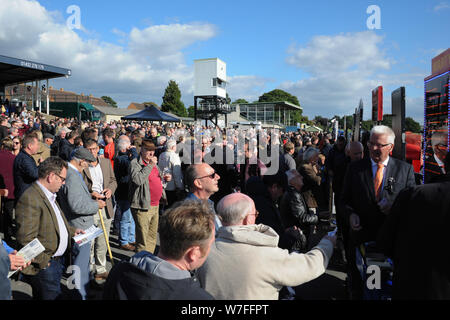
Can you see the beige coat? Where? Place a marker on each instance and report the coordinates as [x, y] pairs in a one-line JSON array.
[[245, 263], [109, 182]]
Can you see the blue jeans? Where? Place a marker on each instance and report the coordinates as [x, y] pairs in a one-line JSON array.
[[81, 257], [46, 285], [127, 226]]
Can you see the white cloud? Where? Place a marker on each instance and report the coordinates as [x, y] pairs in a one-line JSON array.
[[136, 70], [246, 87], [441, 6], [342, 69]]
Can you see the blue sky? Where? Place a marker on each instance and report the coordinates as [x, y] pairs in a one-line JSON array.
[[320, 51]]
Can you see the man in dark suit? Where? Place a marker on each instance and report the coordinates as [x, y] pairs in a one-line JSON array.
[[25, 169], [421, 266], [39, 216], [369, 190], [434, 163]]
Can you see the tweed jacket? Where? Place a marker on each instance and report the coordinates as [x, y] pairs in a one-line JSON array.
[[311, 189], [109, 182], [44, 153], [36, 219]]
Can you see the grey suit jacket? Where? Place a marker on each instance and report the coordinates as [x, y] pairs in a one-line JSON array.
[[76, 201]]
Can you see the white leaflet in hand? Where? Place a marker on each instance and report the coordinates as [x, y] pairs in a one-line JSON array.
[[29, 252], [90, 234]]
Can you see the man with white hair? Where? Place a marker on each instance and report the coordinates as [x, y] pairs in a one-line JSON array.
[[245, 262], [170, 163], [434, 164], [370, 188], [161, 146]]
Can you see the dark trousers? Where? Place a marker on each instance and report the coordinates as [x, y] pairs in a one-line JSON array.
[[171, 198], [7, 219], [46, 285]]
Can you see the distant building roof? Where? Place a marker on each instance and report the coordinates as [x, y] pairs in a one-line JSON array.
[[280, 104], [114, 111], [136, 106]]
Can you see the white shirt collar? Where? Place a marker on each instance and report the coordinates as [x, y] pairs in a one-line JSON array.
[[385, 162], [50, 195], [438, 161]]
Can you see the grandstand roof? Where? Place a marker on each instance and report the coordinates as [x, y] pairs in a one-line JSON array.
[[13, 70]]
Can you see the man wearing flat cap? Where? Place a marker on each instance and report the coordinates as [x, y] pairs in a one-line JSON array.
[[48, 139], [146, 190], [79, 207]]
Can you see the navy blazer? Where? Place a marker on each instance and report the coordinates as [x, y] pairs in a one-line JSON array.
[[25, 173], [358, 194]]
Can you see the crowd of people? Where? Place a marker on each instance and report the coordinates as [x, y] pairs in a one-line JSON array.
[[215, 213]]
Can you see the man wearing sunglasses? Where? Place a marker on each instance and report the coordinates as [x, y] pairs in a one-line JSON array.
[[202, 182]]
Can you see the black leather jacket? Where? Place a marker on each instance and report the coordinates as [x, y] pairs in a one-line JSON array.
[[294, 211]]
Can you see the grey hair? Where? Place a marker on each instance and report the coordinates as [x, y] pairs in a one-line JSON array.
[[170, 144], [383, 130], [234, 212], [439, 137], [309, 154], [160, 139], [123, 143]]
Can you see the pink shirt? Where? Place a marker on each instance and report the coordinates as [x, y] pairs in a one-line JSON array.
[[155, 183]]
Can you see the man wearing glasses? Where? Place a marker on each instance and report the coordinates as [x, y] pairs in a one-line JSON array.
[[245, 262], [434, 164], [370, 188], [39, 216], [203, 182]]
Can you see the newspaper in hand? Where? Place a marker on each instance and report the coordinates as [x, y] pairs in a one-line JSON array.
[[90, 234], [29, 252]]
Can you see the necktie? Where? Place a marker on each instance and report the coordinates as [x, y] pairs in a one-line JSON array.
[[378, 181]]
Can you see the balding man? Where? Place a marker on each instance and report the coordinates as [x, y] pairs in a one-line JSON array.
[[202, 181], [354, 150], [245, 262]]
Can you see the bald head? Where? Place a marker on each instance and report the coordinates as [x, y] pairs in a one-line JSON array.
[[234, 209], [354, 150]]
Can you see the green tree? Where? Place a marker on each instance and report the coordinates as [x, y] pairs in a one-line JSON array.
[[191, 111], [280, 95], [238, 101], [172, 100], [412, 125], [321, 121], [109, 101]]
